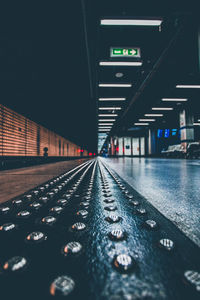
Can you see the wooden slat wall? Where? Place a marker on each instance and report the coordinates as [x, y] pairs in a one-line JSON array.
[[20, 136]]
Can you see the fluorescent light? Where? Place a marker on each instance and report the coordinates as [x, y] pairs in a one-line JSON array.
[[179, 86], [196, 124], [106, 120], [162, 108], [102, 130], [148, 120], [107, 115], [175, 99], [115, 85], [143, 124], [133, 22], [105, 124], [112, 99], [110, 108], [105, 127], [153, 115], [121, 63]]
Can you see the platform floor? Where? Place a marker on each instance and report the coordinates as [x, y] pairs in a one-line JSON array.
[[170, 185], [18, 181]]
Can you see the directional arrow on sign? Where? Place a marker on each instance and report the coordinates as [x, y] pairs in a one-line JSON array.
[[133, 51]]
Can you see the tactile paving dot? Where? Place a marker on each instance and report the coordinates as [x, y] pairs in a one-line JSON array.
[[117, 235], [113, 218], [110, 208], [4, 209], [68, 196], [82, 213], [56, 209], [151, 224], [78, 226], [62, 286], [16, 263], [29, 197], [48, 220], [87, 198], [107, 195], [141, 211], [23, 214], [8, 227], [123, 262], [166, 244], [35, 205], [72, 248], [85, 203], [62, 202], [193, 278], [44, 199], [109, 200], [129, 196], [17, 202], [134, 202], [36, 237]]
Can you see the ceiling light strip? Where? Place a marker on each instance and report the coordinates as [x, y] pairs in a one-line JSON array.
[[115, 85], [131, 22], [121, 63]]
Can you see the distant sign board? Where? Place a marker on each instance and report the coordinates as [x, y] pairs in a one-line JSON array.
[[124, 52]]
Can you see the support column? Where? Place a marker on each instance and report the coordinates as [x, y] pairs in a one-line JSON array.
[[151, 143], [139, 146], [112, 146], [186, 127]]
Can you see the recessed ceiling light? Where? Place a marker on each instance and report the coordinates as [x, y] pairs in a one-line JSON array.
[[132, 22], [162, 108], [110, 108], [148, 120], [115, 85], [119, 75], [175, 99], [143, 124], [179, 86], [107, 115], [154, 115], [121, 63], [196, 124], [112, 99]]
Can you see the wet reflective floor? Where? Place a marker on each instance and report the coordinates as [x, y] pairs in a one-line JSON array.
[[170, 185], [86, 234]]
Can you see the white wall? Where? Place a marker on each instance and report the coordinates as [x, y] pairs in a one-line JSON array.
[[127, 146], [142, 146], [120, 146], [135, 145]]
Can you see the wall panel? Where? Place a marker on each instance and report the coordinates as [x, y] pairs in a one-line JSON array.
[[20, 136]]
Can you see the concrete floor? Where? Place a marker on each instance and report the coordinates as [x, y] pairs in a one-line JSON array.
[[171, 185], [18, 181]]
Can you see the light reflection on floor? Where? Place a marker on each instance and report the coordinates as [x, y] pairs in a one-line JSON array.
[[171, 185]]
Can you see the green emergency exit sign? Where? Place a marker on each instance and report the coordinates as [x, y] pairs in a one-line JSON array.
[[124, 52]]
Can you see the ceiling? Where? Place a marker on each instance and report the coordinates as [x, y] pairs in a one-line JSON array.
[[169, 56], [50, 56]]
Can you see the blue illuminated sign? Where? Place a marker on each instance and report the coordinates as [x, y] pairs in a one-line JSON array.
[[174, 132], [159, 134], [167, 132]]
